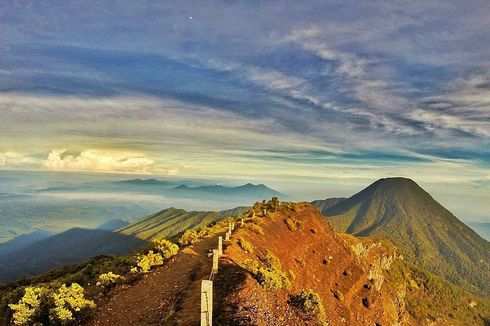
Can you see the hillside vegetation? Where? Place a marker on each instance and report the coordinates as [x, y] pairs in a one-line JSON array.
[[428, 235]]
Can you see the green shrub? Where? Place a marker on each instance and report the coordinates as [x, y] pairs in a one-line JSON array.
[[256, 220], [68, 301], [245, 245], [28, 308], [40, 306], [272, 279], [255, 228], [251, 266], [189, 237], [309, 303], [271, 275], [110, 279], [293, 224], [146, 262], [166, 248]]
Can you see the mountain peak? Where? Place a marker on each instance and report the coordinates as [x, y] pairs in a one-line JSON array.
[[428, 234]]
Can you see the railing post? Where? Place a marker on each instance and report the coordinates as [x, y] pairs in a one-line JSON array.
[[227, 236], [233, 226], [206, 303], [220, 245], [215, 261], [229, 228]]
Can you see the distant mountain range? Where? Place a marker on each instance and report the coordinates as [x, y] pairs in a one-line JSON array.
[[254, 192], [428, 234]]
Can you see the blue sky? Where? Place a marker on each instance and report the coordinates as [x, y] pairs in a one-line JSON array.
[[331, 92]]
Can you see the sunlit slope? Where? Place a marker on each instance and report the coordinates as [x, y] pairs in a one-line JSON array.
[[427, 233], [172, 221]]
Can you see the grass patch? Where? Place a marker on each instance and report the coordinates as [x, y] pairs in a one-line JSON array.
[[310, 305], [255, 228], [245, 245], [293, 224], [271, 276]]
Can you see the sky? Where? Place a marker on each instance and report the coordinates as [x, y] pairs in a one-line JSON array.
[[317, 98]]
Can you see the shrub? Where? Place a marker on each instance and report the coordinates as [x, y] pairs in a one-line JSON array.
[[166, 248], [272, 279], [255, 228], [256, 220], [245, 245], [251, 265], [293, 224], [63, 305], [189, 237], [271, 275], [69, 301], [146, 262], [109, 279], [29, 306], [310, 304]]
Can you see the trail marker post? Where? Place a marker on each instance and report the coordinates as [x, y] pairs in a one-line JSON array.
[[220, 245], [215, 261], [206, 303]]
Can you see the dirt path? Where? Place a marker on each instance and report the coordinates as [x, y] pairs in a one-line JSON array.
[[169, 295]]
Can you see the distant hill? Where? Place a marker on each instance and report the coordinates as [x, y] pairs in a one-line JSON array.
[[146, 182], [427, 233], [23, 241], [64, 248], [172, 221], [247, 191]]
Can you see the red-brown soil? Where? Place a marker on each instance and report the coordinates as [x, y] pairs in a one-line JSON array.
[[319, 260]]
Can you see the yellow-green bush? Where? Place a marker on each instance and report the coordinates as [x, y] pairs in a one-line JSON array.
[[61, 306], [245, 245], [29, 306], [271, 276], [109, 279], [255, 228], [69, 301], [250, 265], [310, 304], [146, 262], [166, 248], [293, 224], [189, 237]]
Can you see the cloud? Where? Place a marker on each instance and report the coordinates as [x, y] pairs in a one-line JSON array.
[[10, 159], [99, 161]]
